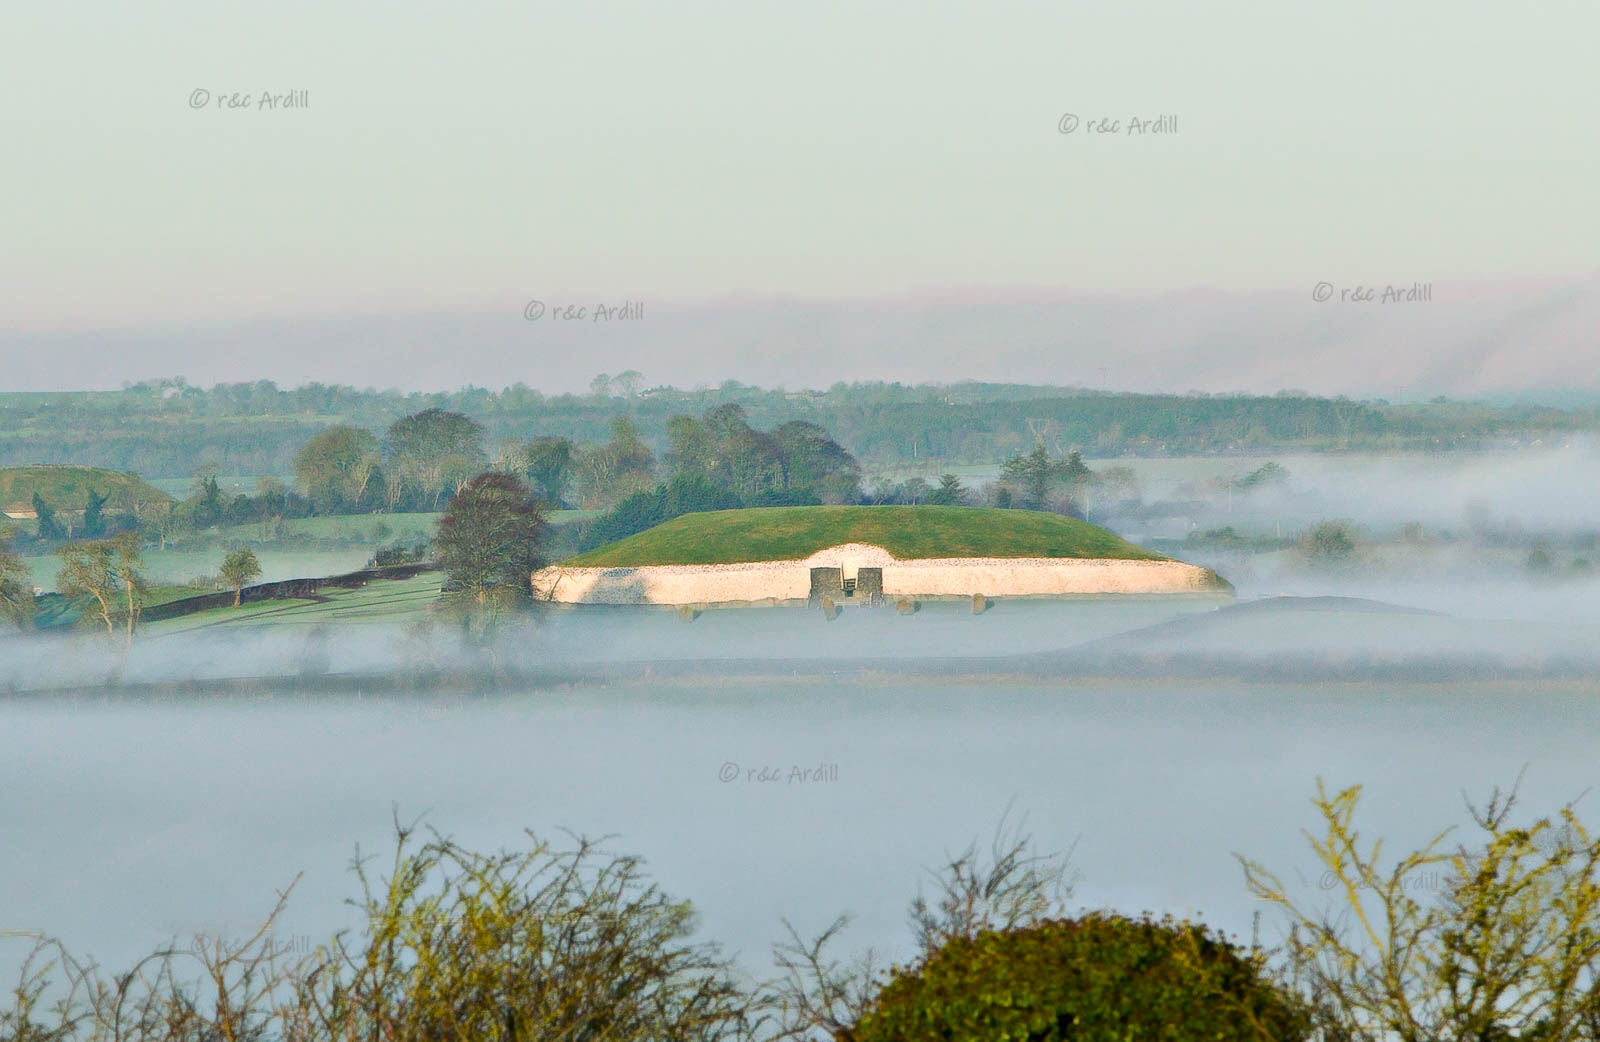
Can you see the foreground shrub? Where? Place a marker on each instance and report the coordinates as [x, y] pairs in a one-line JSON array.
[[1100, 977], [1495, 942], [535, 944]]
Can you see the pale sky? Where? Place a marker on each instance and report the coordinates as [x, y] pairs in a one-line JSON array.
[[465, 158]]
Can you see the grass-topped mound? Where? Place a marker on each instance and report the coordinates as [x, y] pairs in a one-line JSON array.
[[794, 533], [67, 487]]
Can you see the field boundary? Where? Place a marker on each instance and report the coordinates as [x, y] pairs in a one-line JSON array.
[[283, 590]]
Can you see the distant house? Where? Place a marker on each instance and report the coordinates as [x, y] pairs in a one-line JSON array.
[[19, 512]]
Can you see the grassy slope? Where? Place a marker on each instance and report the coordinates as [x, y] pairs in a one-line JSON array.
[[791, 533], [384, 601], [67, 487]]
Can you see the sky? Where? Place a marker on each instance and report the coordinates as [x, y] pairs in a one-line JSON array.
[[742, 164]]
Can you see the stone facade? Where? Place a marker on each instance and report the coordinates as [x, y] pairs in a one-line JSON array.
[[825, 582], [871, 574]]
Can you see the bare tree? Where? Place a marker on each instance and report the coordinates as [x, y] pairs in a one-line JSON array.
[[108, 572], [16, 586]]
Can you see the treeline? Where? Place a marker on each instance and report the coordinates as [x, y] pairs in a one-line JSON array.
[[168, 428], [719, 460]]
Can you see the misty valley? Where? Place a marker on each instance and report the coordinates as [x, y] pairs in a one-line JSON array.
[[1037, 570], [1422, 624]]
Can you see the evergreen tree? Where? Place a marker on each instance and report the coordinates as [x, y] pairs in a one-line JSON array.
[[50, 529], [94, 522]]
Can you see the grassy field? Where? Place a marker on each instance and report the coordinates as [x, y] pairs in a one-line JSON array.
[[176, 567], [385, 601], [311, 547], [67, 488], [791, 533]]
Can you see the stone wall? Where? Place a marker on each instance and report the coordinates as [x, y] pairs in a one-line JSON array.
[[869, 586], [791, 581], [676, 584], [283, 589], [825, 582], [1039, 576]]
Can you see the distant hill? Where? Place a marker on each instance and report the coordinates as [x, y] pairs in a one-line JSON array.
[[67, 488], [1521, 336], [907, 532]]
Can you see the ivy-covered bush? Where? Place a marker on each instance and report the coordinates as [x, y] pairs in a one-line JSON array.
[[1097, 978]]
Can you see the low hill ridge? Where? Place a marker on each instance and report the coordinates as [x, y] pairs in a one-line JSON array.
[[66, 487]]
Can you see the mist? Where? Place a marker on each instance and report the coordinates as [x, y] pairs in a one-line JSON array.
[[170, 819], [171, 789]]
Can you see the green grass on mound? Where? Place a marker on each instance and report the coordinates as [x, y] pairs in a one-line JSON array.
[[67, 487], [792, 533]]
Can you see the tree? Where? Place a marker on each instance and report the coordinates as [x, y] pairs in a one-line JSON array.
[[549, 468], [684, 494], [1329, 543], [750, 461], [205, 502], [1073, 470], [627, 382], [94, 522], [1506, 946], [726, 420], [433, 451], [166, 520], [618, 468], [1268, 473], [336, 467], [813, 460], [50, 530], [690, 446], [949, 493], [915, 491], [238, 568], [633, 456], [489, 544], [1034, 475], [16, 586], [107, 571], [272, 500]]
